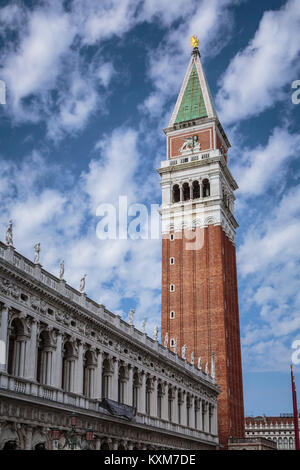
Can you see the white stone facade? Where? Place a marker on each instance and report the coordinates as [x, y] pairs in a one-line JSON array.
[[216, 208], [279, 429], [65, 353]]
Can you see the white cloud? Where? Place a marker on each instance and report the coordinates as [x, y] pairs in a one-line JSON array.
[[102, 20], [55, 85], [268, 261], [37, 60], [113, 175], [212, 22], [52, 207], [105, 73], [255, 77], [256, 169]]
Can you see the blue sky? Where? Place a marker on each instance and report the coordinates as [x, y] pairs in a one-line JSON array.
[[90, 85]]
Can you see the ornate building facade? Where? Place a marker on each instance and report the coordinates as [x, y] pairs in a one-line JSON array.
[[62, 353], [279, 429], [199, 277]]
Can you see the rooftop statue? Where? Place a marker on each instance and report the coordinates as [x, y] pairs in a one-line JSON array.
[[9, 234], [194, 41]]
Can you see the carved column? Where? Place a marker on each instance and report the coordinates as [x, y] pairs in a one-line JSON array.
[[183, 409], [57, 361], [3, 339], [142, 395], [129, 391], [191, 190], [31, 360], [115, 444], [181, 192], [28, 438], [197, 414], [165, 403], [20, 354], [115, 381], [153, 398], [98, 378], [192, 412], [201, 425], [175, 407], [205, 416], [49, 378], [98, 444], [201, 188], [78, 378]]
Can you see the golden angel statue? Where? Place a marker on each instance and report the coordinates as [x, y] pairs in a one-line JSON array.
[[194, 41]]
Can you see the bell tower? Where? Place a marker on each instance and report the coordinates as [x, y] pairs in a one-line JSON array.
[[199, 276]]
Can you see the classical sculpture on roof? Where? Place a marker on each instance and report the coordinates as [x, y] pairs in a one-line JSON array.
[[130, 317], [155, 333], [175, 346], [61, 270], [82, 284], [183, 351], [193, 358], [166, 340], [9, 234], [37, 249]]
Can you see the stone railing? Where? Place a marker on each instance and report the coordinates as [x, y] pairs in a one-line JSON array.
[[34, 390], [191, 158], [175, 428]]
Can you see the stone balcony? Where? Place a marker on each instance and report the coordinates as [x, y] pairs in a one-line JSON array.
[[49, 396]]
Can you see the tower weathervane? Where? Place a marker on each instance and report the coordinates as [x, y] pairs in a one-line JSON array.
[[194, 41]]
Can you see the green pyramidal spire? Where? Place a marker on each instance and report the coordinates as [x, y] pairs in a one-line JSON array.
[[192, 105], [195, 100]]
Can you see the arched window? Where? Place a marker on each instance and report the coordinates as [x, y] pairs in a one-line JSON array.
[[186, 191], [17, 345], [176, 193], [206, 188], [68, 367], [196, 190], [44, 359], [10, 445], [279, 443]]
